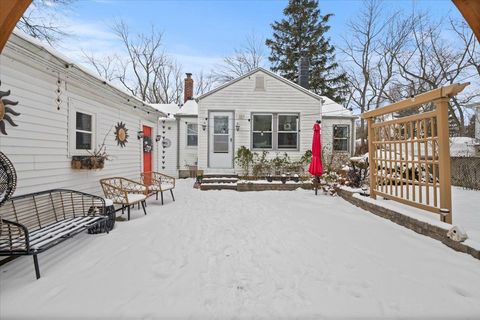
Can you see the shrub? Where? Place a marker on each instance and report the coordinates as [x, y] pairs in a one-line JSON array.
[[244, 158]]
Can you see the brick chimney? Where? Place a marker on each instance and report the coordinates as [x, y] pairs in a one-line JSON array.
[[303, 72], [188, 88]]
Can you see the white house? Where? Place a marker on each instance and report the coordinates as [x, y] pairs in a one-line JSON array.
[[264, 111], [180, 132], [65, 111]]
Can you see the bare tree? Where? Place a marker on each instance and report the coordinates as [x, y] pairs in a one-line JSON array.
[[390, 57], [245, 59], [203, 83], [433, 61], [106, 67], [41, 20], [144, 69], [375, 39]]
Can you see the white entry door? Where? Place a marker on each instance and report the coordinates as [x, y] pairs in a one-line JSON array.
[[220, 139]]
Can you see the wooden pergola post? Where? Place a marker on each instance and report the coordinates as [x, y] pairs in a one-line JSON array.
[[444, 158], [372, 163]]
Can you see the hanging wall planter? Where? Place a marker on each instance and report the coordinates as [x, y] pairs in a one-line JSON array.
[[88, 162]]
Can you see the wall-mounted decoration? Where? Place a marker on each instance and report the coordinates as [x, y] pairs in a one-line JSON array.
[[8, 178], [121, 134], [58, 92], [5, 111], [147, 144], [166, 143]]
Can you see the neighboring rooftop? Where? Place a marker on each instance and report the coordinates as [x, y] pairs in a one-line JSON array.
[[331, 108]]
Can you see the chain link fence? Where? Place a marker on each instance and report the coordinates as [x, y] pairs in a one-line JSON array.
[[466, 172]]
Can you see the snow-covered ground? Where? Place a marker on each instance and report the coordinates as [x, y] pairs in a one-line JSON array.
[[226, 254]]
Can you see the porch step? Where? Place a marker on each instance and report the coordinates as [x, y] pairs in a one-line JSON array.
[[220, 175], [219, 182], [214, 186]]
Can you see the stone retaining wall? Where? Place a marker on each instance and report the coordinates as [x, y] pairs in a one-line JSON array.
[[420, 227], [272, 186]]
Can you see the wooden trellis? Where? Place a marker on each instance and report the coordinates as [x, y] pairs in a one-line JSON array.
[[409, 156]]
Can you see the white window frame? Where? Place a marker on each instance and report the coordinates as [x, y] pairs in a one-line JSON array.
[[186, 142], [73, 151], [256, 131], [346, 138], [297, 131]]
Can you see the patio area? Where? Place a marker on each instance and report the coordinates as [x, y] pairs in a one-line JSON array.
[[226, 254]]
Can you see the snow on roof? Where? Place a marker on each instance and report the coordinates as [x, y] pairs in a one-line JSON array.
[[462, 146], [331, 108], [170, 109], [189, 108], [69, 61]]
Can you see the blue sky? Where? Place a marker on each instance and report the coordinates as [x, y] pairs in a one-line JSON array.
[[199, 33]]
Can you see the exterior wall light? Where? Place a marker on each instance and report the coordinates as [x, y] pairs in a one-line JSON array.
[[237, 126], [140, 135], [158, 138], [204, 126]]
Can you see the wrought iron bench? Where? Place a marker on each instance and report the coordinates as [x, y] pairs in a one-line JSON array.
[[158, 182], [33, 223], [125, 192]]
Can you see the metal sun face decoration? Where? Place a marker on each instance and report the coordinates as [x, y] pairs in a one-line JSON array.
[[121, 134], [6, 111]]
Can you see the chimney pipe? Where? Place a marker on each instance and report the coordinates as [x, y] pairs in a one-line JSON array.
[[303, 71], [188, 88]]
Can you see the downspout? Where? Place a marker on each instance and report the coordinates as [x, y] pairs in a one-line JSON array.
[[178, 145], [353, 135]]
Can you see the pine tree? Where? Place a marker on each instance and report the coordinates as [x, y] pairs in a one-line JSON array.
[[302, 33]]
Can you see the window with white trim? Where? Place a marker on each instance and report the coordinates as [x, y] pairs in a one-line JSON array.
[[262, 131], [192, 134], [84, 124], [287, 131], [275, 131], [341, 137]]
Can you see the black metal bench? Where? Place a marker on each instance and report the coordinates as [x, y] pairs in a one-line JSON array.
[[33, 223]]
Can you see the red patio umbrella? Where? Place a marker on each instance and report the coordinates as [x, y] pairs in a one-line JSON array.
[[316, 167]]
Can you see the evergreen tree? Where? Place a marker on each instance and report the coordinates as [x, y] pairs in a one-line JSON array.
[[302, 32]]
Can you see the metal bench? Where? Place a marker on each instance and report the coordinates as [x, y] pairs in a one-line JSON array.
[[33, 223]]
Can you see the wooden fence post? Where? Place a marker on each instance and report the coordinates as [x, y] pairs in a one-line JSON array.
[[444, 158], [371, 159]]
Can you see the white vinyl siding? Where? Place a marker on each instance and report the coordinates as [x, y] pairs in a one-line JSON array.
[[277, 98], [40, 147], [188, 155]]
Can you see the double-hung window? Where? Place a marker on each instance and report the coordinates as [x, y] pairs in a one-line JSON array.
[[341, 136], [287, 131], [192, 134], [83, 131], [262, 131], [275, 131]]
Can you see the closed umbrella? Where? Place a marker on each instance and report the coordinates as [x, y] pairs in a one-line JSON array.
[[316, 167]]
